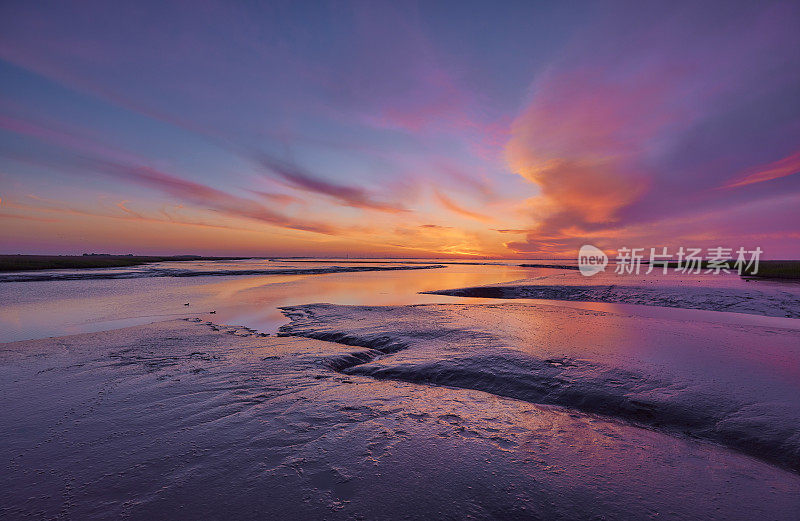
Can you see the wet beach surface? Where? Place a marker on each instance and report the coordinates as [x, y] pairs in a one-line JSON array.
[[384, 403], [195, 420]]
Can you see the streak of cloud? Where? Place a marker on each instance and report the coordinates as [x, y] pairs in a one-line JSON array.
[[212, 198], [300, 179], [460, 210], [85, 153], [48, 206], [787, 166]]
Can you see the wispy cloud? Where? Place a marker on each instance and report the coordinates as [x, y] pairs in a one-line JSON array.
[[121, 206], [435, 227], [82, 153], [512, 230], [282, 199], [212, 198], [787, 166], [348, 195], [614, 117], [47, 206], [460, 210]]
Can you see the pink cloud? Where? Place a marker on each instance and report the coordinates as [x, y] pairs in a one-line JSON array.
[[348, 195], [212, 198], [787, 166], [614, 134]]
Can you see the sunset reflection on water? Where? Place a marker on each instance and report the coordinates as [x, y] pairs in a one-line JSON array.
[[54, 308]]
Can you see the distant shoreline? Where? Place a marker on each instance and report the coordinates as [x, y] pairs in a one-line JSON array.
[[52, 262], [777, 269]]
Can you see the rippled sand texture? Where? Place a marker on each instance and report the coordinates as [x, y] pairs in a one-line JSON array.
[[708, 292], [206, 422], [735, 385]]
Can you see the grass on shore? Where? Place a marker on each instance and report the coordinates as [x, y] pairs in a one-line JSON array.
[[49, 262], [776, 270]]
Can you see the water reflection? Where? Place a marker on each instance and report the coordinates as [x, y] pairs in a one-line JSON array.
[[55, 308]]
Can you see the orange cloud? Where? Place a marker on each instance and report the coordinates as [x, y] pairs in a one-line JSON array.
[[582, 141], [455, 208]]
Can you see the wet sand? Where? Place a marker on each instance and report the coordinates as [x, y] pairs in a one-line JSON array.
[[735, 385], [567, 398], [726, 292], [190, 420]]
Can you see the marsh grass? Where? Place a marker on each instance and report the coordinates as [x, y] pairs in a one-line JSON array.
[[49, 262]]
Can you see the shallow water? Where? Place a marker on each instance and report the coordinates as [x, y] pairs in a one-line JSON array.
[[493, 407], [734, 385], [38, 309], [181, 420]]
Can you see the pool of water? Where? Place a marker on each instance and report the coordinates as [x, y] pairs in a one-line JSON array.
[[38, 309]]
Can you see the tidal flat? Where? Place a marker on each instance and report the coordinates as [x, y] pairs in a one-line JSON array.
[[388, 403]]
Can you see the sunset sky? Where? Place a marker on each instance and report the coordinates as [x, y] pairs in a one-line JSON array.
[[407, 129]]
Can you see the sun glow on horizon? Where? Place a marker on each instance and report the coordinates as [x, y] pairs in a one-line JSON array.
[[379, 131]]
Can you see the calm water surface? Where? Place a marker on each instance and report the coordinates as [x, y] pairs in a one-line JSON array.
[[38, 309]]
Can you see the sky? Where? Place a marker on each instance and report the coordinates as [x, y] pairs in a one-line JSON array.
[[403, 129]]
